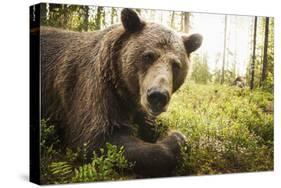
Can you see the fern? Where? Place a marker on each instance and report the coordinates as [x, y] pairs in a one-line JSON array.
[[110, 165], [61, 171]]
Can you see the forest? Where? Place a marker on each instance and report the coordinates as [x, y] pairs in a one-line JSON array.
[[225, 108]]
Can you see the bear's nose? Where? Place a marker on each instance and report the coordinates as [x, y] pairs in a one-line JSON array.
[[157, 98]]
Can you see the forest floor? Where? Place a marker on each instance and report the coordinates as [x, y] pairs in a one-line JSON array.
[[228, 130]]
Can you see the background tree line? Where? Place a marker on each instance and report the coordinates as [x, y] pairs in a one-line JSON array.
[[258, 66], [261, 69]]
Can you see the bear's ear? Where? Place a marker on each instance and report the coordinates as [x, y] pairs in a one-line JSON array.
[[131, 21], [192, 42]]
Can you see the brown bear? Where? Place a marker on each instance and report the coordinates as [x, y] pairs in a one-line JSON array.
[[101, 86], [240, 81]]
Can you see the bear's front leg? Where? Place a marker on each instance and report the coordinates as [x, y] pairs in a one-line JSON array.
[[151, 159]]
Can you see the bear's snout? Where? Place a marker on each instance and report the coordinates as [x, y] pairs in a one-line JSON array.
[[157, 99]]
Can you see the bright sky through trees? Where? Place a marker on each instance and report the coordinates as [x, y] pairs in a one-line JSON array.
[[211, 26], [239, 28], [239, 34]]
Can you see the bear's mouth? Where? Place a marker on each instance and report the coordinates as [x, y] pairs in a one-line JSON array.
[[150, 110], [155, 111]]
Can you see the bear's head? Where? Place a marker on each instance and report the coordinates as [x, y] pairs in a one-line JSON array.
[[155, 61]]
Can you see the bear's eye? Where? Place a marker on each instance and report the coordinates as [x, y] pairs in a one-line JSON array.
[[149, 57], [176, 64]]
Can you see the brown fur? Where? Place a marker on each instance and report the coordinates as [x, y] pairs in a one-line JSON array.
[[94, 86], [240, 81]]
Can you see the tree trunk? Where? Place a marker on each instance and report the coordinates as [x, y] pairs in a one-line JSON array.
[[65, 17], [186, 20], [86, 18], [113, 14], [264, 67], [254, 54], [182, 19], [52, 12], [43, 14], [161, 17], [53, 7], [98, 18], [172, 19], [224, 49], [103, 23]]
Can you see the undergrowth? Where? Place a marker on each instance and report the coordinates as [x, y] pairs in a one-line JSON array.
[[228, 130], [60, 167]]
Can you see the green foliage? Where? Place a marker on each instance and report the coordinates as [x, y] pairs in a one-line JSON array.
[[49, 136], [60, 172], [110, 165], [269, 82], [49, 141], [228, 129], [67, 166], [200, 70]]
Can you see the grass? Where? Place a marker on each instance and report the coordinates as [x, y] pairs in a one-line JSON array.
[[228, 129]]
